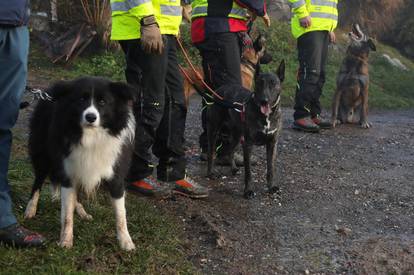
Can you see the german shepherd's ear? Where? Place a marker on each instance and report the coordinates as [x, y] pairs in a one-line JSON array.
[[259, 43], [60, 89], [266, 58], [281, 71], [371, 44], [123, 90]]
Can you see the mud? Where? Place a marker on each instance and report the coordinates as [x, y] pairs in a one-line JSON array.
[[346, 204]]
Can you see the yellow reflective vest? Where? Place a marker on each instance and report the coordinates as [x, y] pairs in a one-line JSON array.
[[127, 14], [324, 14], [200, 10]]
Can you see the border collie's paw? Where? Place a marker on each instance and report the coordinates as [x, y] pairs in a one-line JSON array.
[[30, 211], [249, 194], [80, 210], [66, 243], [127, 245]]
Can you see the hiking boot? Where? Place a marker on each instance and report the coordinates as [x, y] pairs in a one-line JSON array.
[[187, 187], [323, 124], [306, 124], [150, 186], [18, 236]]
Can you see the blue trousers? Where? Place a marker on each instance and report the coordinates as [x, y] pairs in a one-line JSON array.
[[14, 48]]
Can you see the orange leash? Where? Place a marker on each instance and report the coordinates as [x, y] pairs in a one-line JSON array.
[[199, 77]]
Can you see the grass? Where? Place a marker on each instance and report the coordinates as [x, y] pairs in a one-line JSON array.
[[159, 248], [155, 234]]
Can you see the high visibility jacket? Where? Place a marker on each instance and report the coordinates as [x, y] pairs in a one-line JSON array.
[[127, 14], [217, 16], [324, 14]]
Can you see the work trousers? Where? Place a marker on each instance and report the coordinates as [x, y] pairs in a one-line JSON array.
[[312, 55], [160, 110], [14, 48], [221, 56]]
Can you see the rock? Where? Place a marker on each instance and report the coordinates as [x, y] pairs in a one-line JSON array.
[[395, 62]]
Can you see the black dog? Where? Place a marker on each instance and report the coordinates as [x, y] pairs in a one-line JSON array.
[[259, 122], [82, 138]]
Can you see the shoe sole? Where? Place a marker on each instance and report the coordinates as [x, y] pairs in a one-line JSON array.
[[298, 128], [190, 196], [148, 193]]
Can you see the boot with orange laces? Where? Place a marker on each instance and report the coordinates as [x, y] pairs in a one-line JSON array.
[[323, 124], [150, 186], [187, 187], [306, 124]]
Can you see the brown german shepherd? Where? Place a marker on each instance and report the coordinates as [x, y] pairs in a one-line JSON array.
[[353, 81], [250, 58]]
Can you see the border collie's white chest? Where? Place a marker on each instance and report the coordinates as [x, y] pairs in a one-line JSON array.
[[95, 157]]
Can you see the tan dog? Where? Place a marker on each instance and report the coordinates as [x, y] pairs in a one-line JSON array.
[[353, 81], [250, 58]]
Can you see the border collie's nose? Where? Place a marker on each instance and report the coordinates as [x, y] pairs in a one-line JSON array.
[[90, 117]]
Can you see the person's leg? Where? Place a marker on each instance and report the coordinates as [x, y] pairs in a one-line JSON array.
[[168, 146], [170, 134], [310, 47], [14, 47], [316, 104], [145, 72], [221, 57]]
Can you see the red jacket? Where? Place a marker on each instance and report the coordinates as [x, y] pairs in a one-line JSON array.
[[218, 20]]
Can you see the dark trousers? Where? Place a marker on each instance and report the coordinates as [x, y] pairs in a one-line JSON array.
[[221, 57], [160, 110], [14, 48], [312, 55]]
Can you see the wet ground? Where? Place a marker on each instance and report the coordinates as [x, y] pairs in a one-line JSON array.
[[346, 204]]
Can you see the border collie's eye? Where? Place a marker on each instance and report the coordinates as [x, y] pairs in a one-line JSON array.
[[83, 98], [101, 102]]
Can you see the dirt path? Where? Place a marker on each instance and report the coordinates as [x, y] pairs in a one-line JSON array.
[[347, 204]]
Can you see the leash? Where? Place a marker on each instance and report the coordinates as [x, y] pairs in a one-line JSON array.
[[210, 94]]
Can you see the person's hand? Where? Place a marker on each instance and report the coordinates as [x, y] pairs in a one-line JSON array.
[[151, 38], [187, 13], [305, 22], [266, 20], [332, 37]]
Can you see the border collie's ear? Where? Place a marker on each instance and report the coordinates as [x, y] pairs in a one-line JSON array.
[[281, 71], [371, 44], [123, 90], [259, 43], [60, 89]]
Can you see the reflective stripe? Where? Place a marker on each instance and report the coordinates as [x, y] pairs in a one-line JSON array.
[[324, 15], [324, 3], [199, 10], [203, 10], [238, 12], [297, 4], [127, 5], [170, 10]]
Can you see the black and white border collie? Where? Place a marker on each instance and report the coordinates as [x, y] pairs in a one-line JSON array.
[[81, 139]]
